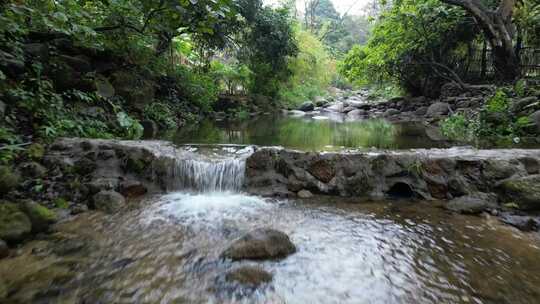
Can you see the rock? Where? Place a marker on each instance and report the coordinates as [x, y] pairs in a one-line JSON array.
[[38, 51], [108, 201], [9, 180], [130, 188], [250, 276], [84, 166], [535, 119], [11, 66], [356, 113], [137, 90], [472, 204], [35, 151], [355, 103], [40, 217], [421, 111], [349, 109], [451, 89], [32, 170], [151, 129], [260, 244], [523, 223], [103, 184], [79, 63], [336, 107], [93, 112], [322, 170], [320, 101], [391, 112], [304, 194], [522, 191], [15, 226], [4, 250], [78, 209], [307, 106], [103, 87], [437, 109]]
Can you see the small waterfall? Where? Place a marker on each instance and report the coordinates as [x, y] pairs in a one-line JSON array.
[[209, 175]]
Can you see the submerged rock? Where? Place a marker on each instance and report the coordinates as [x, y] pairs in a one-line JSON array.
[[304, 194], [15, 226], [522, 191], [260, 244], [472, 204], [109, 201], [251, 276], [523, 223]]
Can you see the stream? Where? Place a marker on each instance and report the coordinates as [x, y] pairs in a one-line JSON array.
[[166, 249]]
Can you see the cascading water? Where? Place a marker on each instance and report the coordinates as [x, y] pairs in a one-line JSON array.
[[202, 173]]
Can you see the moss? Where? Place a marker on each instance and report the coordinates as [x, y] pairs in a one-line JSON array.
[[61, 203], [14, 224], [8, 179], [35, 151], [135, 165], [40, 216]]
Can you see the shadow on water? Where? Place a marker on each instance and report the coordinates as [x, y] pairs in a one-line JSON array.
[[308, 134]]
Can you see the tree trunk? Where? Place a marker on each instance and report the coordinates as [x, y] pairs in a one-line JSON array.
[[498, 29]]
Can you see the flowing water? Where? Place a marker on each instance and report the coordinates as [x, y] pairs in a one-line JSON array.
[[166, 249]]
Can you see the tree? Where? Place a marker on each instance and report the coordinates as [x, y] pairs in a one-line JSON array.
[[497, 26]]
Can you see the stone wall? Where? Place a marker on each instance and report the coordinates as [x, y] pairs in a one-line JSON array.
[[428, 174]]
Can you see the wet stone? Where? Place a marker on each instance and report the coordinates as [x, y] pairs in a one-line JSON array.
[[249, 276], [260, 244], [4, 250]]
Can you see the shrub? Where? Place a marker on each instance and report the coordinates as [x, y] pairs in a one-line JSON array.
[[162, 114]]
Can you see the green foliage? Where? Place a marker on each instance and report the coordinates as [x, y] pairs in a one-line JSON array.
[[498, 103], [162, 114], [131, 128], [311, 71], [232, 77], [267, 48], [459, 127], [61, 203], [9, 145], [407, 39]]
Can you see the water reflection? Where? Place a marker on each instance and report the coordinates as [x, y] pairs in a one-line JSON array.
[[305, 133]]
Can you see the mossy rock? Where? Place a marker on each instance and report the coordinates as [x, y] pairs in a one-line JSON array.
[[35, 151], [523, 191], [40, 217], [135, 165], [15, 226], [9, 179]]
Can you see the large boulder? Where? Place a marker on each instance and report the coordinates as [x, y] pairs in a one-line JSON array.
[[437, 109], [472, 204], [336, 107], [522, 191], [391, 112], [40, 217], [249, 276], [108, 201], [307, 106], [15, 225], [260, 244]]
